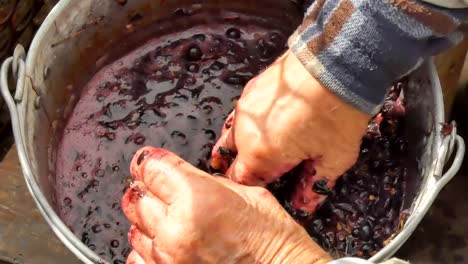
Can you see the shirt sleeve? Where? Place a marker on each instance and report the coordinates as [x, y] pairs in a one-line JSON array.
[[358, 48]]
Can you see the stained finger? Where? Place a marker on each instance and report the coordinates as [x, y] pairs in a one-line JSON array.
[[162, 172], [240, 173], [258, 170], [143, 209], [223, 152], [134, 258], [141, 156], [312, 188], [142, 244]]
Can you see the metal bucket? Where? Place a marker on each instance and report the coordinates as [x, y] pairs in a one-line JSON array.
[[73, 44]]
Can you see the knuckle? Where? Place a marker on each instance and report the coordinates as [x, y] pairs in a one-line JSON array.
[[261, 151]]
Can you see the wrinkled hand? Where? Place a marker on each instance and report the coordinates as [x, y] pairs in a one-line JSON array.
[[180, 214], [285, 117]]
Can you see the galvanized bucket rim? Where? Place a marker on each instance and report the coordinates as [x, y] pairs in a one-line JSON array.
[[78, 248]]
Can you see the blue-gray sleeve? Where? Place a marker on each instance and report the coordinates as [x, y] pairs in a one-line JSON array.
[[358, 48]]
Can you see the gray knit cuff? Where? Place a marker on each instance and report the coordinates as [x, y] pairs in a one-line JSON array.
[[351, 89], [357, 49]]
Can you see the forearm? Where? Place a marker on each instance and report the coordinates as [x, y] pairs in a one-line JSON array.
[[357, 49]]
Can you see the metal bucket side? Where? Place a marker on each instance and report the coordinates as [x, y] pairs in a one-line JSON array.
[[62, 58], [30, 113], [425, 110]]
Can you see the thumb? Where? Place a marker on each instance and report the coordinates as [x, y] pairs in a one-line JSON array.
[[134, 258], [163, 173], [312, 187], [318, 177], [225, 148], [253, 171]]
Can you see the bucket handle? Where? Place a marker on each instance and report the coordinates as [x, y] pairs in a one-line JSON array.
[[19, 73], [449, 143], [17, 65], [445, 153]]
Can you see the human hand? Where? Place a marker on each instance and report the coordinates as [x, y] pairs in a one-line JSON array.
[[180, 214], [285, 117]]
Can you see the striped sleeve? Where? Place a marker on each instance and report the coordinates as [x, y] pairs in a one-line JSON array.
[[358, 48]]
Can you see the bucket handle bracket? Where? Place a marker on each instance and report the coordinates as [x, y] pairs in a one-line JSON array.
[[445, 153], [17, 65]]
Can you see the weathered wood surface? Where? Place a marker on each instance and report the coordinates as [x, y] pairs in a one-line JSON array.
[[25, 237], [449, 65]]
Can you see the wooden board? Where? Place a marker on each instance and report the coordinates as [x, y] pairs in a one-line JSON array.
[[25, 237], [449, 65]]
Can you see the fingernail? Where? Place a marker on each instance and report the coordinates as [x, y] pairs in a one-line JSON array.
[[133, 233], [143, 155], [138, 191], [133, 194], [225, 152]]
